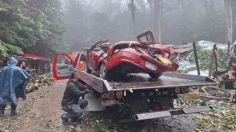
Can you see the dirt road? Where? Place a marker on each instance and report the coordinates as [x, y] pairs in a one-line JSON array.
[[41, 113]]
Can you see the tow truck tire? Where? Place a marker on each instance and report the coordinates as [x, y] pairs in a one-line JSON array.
[[154, 76], [165, 103]]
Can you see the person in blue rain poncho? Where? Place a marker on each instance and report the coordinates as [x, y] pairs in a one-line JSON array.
[[11, 76]]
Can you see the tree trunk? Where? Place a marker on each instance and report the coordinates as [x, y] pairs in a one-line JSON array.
[[150, 2], [157, 20], [233, 6], [229, 21], [132, 9]]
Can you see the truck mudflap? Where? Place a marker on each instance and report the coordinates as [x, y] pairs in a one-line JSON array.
[[159, 114]]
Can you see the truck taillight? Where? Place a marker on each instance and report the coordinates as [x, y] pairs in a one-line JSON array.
[[105, 95], [119, 94], [110, 95]]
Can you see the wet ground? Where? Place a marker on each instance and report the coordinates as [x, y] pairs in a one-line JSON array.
[[42, 110]]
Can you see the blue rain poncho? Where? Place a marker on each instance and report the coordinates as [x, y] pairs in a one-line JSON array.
[[11, 76]]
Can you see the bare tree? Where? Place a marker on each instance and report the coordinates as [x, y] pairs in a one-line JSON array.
[[229, 21], [132, 9], [150, 3], [157, 19]]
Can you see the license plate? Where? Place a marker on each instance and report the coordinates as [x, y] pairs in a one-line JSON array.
[[164, 60], [151, 66]]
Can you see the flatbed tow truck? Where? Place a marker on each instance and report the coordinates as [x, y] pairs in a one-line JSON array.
[[139, 97]]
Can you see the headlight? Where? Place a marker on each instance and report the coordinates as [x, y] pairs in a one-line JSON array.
[[151, 66]]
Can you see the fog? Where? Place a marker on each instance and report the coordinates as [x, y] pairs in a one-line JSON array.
[[172, 21]]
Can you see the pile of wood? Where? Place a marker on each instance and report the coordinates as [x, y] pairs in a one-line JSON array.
[[38, 82]]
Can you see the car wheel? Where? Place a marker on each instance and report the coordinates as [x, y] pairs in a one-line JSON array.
[[155, 76], [102, 71]]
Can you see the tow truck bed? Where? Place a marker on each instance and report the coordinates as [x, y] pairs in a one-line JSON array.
[[166, 81], [142, 81]]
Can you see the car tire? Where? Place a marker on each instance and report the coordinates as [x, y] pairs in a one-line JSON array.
[[102, 71], [155, 76]]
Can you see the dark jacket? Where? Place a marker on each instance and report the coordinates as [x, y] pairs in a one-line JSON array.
[[21, 89], [74, 90]]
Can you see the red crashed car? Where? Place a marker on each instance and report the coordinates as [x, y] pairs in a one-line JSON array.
[[108, 60]]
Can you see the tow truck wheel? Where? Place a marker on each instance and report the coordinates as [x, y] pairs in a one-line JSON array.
[[154, 76], [102, 71]]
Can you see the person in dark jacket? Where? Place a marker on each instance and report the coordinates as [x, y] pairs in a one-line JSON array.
[[21, 89], [72, 102], [23, 65]]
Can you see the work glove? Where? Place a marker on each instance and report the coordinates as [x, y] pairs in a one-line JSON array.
[[88, 91]]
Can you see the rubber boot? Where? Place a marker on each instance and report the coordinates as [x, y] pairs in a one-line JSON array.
[[2, 109], [13, 110], [65, 119]]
